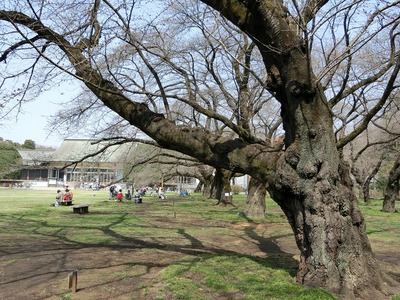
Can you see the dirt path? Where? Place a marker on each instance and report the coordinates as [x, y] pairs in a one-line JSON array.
[[37, 267]]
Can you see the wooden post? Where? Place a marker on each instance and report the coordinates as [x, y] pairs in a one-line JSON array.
[[73, 281]]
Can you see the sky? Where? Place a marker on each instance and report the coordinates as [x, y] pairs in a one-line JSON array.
[[31, 123]]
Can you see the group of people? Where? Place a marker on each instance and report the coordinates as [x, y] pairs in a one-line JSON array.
[[117, 194], [63, 197]]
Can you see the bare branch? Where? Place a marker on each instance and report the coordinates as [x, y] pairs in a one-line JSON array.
[[378, 106]]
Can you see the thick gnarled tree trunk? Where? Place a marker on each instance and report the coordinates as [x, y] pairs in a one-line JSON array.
[[255, 203], [314, 189]]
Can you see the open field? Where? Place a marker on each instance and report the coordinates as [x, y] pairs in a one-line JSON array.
[[182, 248]]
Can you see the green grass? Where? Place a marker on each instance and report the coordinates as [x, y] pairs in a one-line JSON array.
[[28, 214], [381, 225], [225, 275]]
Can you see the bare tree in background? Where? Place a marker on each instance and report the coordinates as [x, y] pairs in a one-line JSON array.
[[391, 194], [373, 153], [366, 157]]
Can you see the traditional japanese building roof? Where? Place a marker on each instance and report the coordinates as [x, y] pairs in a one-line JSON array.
[[77, 149], [93, 151], [36, 156]]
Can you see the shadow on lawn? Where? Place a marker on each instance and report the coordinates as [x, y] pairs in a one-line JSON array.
[[59, 244]]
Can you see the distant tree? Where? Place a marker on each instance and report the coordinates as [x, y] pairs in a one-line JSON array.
[[221, 186], [374, 155], [149, 164], [366, 155], [29, 144], [9, 158], [255, 202], [391, 193]]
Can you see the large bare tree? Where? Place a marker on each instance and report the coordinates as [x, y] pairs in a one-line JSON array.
[[303, 50]]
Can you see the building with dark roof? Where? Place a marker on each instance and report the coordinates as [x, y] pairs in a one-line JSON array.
[[76, 162]]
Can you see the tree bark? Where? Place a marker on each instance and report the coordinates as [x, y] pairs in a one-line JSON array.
[[392, 188], [314, 189], [222, 187], [255, 203]]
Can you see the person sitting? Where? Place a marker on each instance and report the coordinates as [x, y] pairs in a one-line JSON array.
[[67, 195], [66, 198], [128, 195], [138, 197], [112, 190], [161, 194], [59, 198], [119, 196]]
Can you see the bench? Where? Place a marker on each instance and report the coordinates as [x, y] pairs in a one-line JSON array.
[[81, 209], [66, 202]]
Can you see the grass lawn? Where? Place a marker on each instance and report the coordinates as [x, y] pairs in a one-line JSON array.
[[180, 248]]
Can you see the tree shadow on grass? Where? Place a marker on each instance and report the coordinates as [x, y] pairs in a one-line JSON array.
[[276, 258], [61, 242]]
